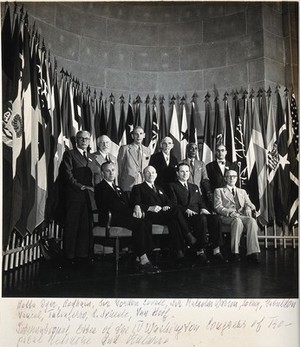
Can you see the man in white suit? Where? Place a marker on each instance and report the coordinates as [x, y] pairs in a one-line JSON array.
[[103, 154], [236, 210], [132, 160]]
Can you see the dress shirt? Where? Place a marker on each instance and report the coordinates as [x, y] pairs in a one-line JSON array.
[[167, 158], [221, 164]]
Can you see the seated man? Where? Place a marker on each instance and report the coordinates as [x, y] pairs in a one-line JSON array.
[[188, 198], [235, 208], [151, 201], [110, 197]]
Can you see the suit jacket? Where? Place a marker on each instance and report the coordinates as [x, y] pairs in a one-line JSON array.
[[145, 196], [199, 176], [130, 170], [100, 160], [77, 171], [165, 173], [224, 202], [186, 198], [107, 199], [215, 174]]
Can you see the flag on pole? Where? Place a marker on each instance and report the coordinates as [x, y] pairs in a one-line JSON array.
[[207, 149], [129, 122], [281, 179], [137, 111], [112, 127], [162, 121], [293, 157], [155, 129], [218, 135], [184, 133], [295, 120], [257, 164], [122, 124], [239, 144], [193, 130], [174, 129], [228, 135], [148, 127]]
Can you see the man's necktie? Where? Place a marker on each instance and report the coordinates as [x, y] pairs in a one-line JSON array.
[[232, 191], [186, 186], [192, 164], [154, 188], [86, 158], [116, 190]]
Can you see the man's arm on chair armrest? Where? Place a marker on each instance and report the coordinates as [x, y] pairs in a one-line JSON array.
[[218, 204]]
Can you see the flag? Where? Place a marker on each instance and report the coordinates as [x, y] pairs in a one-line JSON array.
[[193, 130], [148, 127], [257, 163], [207, 153], [218, 135], [92, 107], [239, 144], [293, 157], [129, 122], [122, 124], [174, 130], [155, 128], [252, 183], [281, 179], [228, 135], [295, 120], [7, 135], [263, 112], [162, 121], [112, 127], [272, 157], [137, 111], [184, 133], [97, 117]]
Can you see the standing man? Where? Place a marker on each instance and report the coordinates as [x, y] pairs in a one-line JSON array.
[[217, 168], [151, 201], [111, 198], [103, 154], [164, 163], [132, 159], [79, 172], [236, 209], [198, 173], [188, 198]]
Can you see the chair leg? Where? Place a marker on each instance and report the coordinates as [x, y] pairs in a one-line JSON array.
[[117, 250]]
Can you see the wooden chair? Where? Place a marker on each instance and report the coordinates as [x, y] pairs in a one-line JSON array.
[[115, 233]]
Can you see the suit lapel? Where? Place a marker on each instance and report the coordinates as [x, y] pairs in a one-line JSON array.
[[80, 158], [162, 159], [228, 194]]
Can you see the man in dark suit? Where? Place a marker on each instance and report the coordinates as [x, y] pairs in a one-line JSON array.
[[79, 172], [188, 198], [236, 210], [110, 197], [164, 163], [151, 201], [217, 168]]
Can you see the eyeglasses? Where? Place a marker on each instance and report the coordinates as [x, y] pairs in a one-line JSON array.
[[83, 138], [231, 176]]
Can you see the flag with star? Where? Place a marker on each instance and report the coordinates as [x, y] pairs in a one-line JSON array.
[[129, 122], [174, 129], [184, 133], [281, 179]]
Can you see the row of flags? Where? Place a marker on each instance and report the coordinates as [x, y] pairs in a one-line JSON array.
[[43, 109]]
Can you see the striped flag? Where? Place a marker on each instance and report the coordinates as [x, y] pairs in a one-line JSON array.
[[228, 134], [148, 126]]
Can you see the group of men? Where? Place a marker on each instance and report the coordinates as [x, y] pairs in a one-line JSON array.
[[140, 189]]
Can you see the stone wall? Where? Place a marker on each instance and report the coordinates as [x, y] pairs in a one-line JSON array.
[[171, 48]]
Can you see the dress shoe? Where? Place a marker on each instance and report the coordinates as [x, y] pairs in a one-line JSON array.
[[236, 258], [148, 268], [219, 259], [201, 259], [253, 258]]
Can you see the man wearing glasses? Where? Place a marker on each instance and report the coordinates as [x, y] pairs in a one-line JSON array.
[[79, 172], [236, 209]]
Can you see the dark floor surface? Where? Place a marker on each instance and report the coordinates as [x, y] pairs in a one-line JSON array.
[[275, 277]]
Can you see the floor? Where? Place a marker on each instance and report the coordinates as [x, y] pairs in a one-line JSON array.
[[275, 277]]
